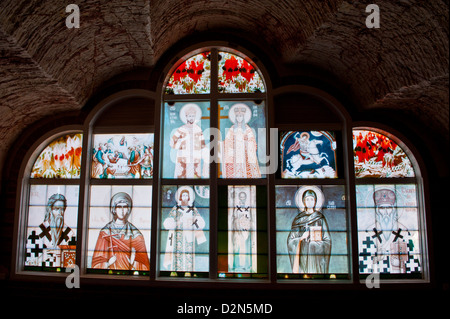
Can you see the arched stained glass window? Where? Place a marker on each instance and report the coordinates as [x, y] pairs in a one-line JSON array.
[[52, 210], [214, 127], [179, 185], [118, 236], [390, 218]]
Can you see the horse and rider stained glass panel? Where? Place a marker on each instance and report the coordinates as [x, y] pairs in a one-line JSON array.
[[308, 154]]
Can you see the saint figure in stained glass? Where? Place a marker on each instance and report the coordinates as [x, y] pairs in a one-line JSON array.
[[190, 144], [185, 226], [309, 241], [387, 246], [120, 245], [239, 147], [54, 243], [242, 229]]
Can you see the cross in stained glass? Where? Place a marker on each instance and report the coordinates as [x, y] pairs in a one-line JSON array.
[[206, 117], [221, 117]]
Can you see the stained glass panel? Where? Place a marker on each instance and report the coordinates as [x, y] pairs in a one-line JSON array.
[[52, 227], [185, 140], [237, 75], [122, 156], [60, 159], [308, 154], [119, 229], [376, 155], [184, 234], [242, 126], [311, 226], [191, 76], [242, 230], [388, 229]]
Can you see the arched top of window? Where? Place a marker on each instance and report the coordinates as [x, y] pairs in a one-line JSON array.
[[379, 155], [235, 74], [61, 158], [238, 75]]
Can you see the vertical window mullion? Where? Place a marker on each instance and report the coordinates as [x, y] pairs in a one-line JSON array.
[[213, 201], [81, 254], [156, 191]]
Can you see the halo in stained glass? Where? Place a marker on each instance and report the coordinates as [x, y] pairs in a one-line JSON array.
[[376, 155], [60, 159], [238, 75], [191, 76]]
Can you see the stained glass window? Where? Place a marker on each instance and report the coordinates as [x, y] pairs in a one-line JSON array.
[[60, 159], [376, 155], [388, 229], [184, 249], [192, 76], [311, 226], [308, 154], [217, 226], [119, 229], [242, 232], [185, 140], [203, 133], [122, 156], [51, 232], [238, 75], [242, 125]]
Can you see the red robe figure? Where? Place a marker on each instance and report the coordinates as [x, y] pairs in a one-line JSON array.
[[120, 245]]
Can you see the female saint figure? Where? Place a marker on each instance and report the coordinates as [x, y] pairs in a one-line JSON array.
[[309, 242], [120, 245], [240, 158]]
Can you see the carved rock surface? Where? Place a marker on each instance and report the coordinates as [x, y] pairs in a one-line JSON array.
[[46, 68]]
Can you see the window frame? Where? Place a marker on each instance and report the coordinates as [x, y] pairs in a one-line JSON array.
[[213, 97], [419, 181], [88, 129], [23, 191]]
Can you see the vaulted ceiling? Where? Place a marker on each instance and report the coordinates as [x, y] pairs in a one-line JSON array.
[[46, 68]]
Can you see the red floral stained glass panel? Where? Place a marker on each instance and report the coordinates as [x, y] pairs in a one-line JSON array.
[[237, 75], [192, 76], [376, 155]]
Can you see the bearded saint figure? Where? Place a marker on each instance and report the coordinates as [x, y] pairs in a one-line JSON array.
[[388, 244], [189, 142], [185, 226], [242, 235], [46, 247]]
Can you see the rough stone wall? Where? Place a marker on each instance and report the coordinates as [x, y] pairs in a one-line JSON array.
[[46, 68]]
